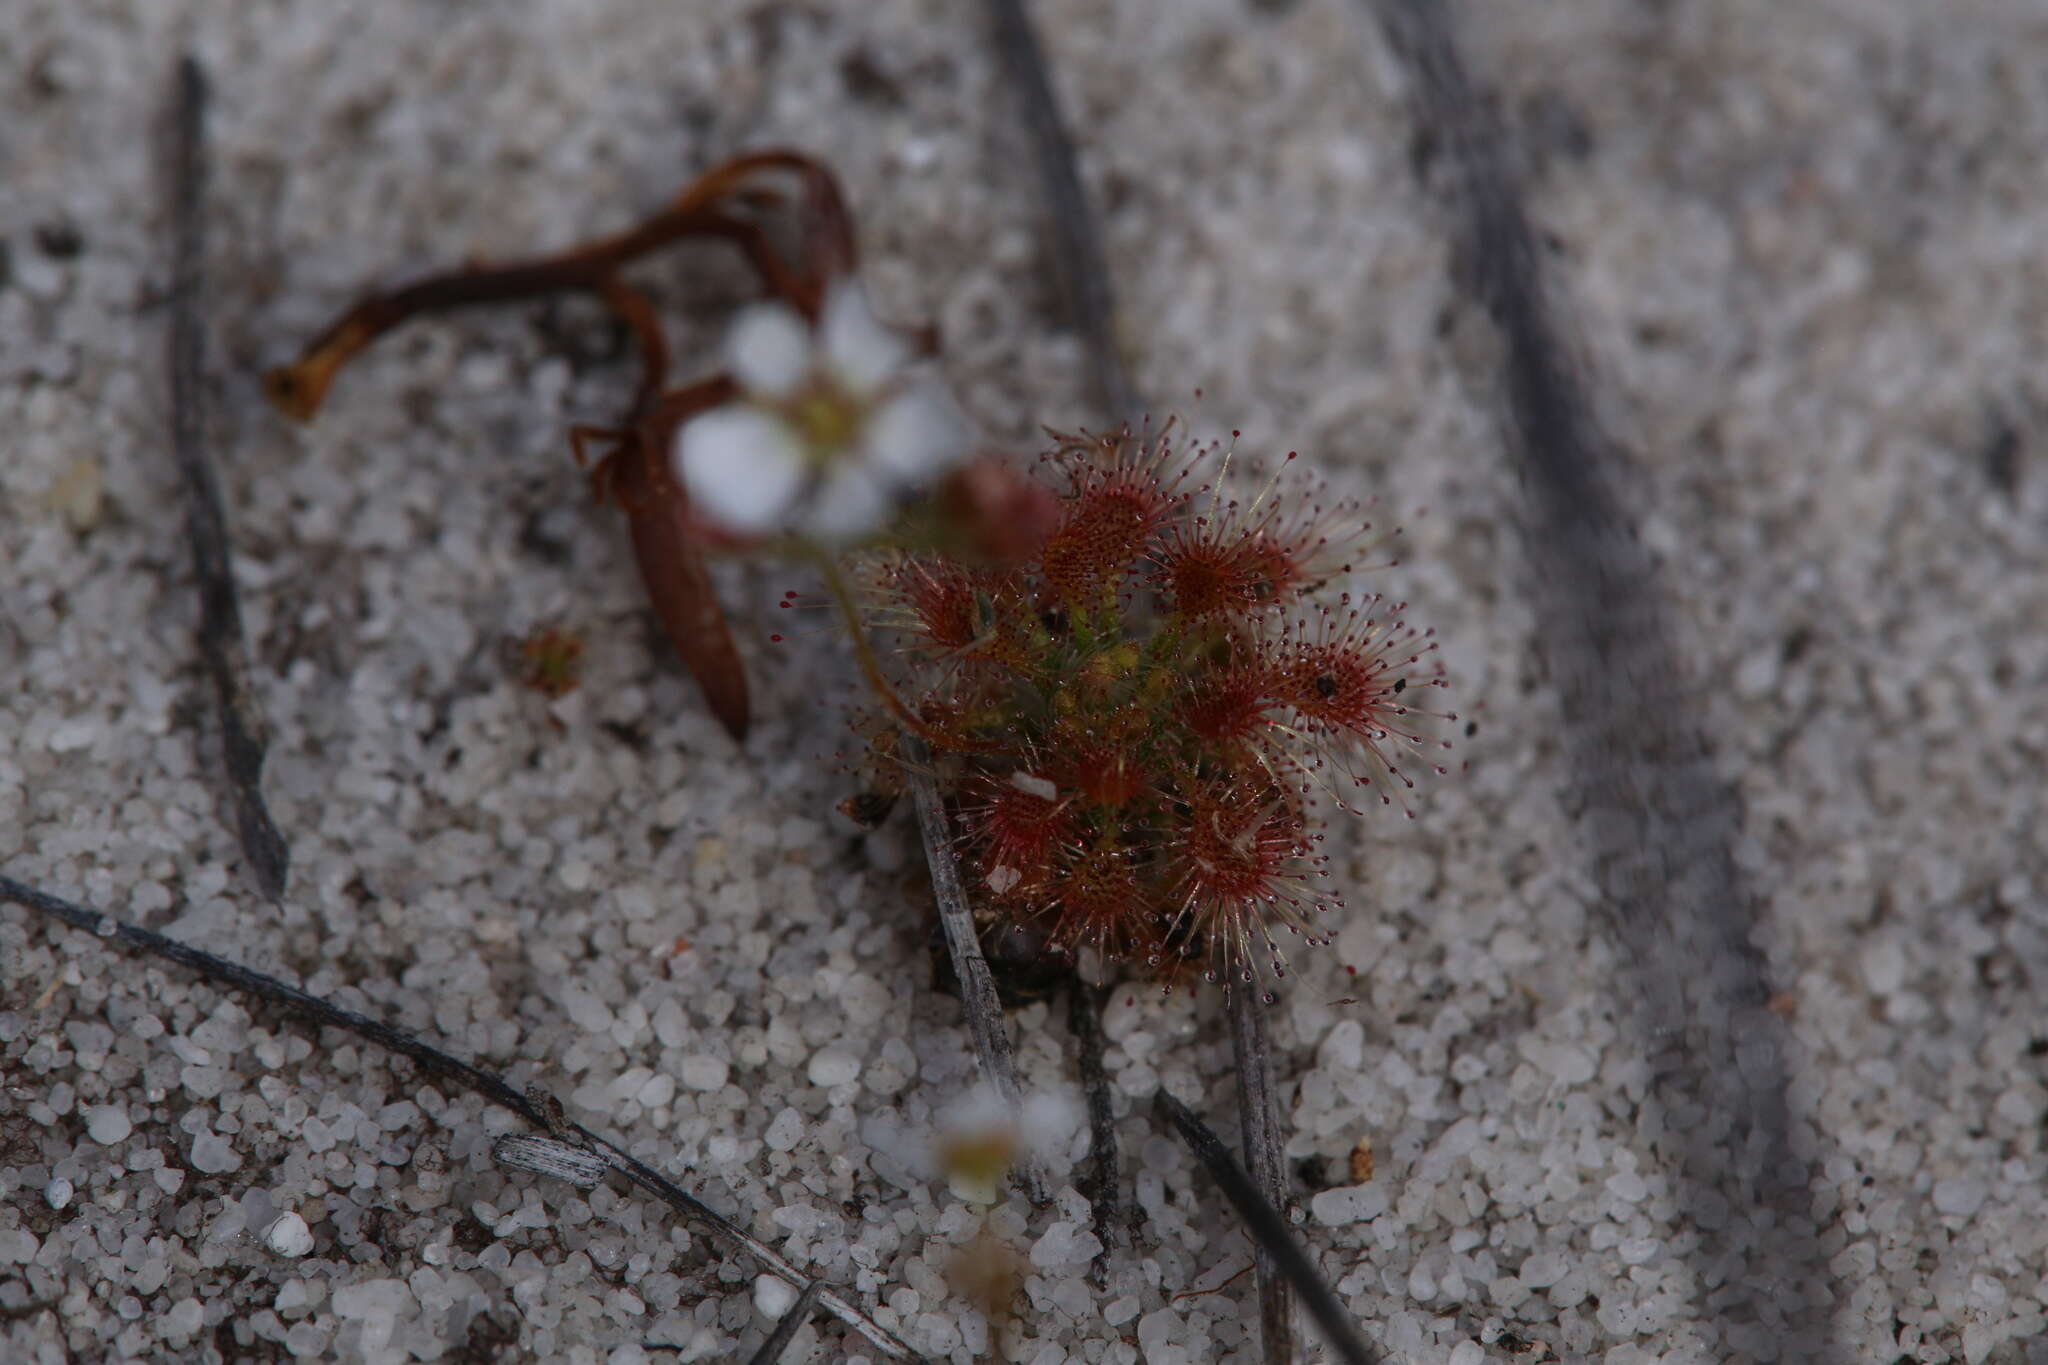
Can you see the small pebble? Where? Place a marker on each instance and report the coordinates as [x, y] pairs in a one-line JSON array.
[[833, 1066], [701, 1072], [108, 1124], [772, 1297], [214, 1155], [1960, 1195], [288, 1235], [57, 1193], [786, 1131], [184, 1318], [1351, 1204], [1884, 967], [1063, 1245]]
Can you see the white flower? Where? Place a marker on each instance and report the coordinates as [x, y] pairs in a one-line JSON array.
[[830, 430], [980, 1138]]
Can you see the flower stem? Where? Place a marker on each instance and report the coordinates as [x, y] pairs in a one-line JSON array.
[[297, 389], [870, 666]]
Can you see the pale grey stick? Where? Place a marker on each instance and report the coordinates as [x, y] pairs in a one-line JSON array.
[[1259, 1122], [1076, 243], [1267, 1227], [222, 645], [1077, 256], [956, 917]]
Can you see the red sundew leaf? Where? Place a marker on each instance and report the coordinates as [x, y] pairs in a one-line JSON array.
[[1243, 557], [941, 599], [1020, 831], [1243, 860], [1204, 572], [1099, 541], [1341, 688], [1103, 902], [1119, 780], [1121, 494], [1354, 681], [1234, 707], [1104, 761], [1274, 569]]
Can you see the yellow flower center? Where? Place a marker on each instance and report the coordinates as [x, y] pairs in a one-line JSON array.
[[827, 420]]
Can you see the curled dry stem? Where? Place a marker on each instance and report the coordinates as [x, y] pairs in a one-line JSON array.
[[299, 388], [666, 543]]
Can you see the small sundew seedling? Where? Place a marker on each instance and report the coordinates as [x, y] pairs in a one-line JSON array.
[[1143, 719], [551, 661]]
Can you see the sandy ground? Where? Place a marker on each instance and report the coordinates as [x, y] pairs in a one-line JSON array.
[[1804, 256]]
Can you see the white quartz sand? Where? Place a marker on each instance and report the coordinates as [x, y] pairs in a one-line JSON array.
[[1805, 250]]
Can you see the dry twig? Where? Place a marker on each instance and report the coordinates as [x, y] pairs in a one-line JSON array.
[[536, 1108], [1259, 1122], [222, 646], [977, 988], [1268, 1231], [1076, 243]]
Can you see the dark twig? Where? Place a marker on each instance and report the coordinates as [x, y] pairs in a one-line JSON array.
[[1268, 1230], [1258, 1120], [222, 646], [977, 988], [1078, 259], [537, 1108], [1076, 245], [785, 1327], [1661, 823], [1105, 1203]]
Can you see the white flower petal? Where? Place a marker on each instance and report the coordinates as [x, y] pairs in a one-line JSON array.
[[742, 467], [862, 352], [1031, 784], [852, 501], [769, 350], [917, 435]]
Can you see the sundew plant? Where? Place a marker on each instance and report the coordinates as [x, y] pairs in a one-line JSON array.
[[1146, 687], [1131, 681], [1146, 719]]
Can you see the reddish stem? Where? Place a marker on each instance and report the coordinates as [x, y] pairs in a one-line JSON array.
[[828, 251]]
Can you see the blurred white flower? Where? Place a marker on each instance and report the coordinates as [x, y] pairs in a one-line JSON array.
[[979, 1139], [830, 430]]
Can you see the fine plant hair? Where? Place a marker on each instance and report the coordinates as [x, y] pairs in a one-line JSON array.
[[1659, 822]]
